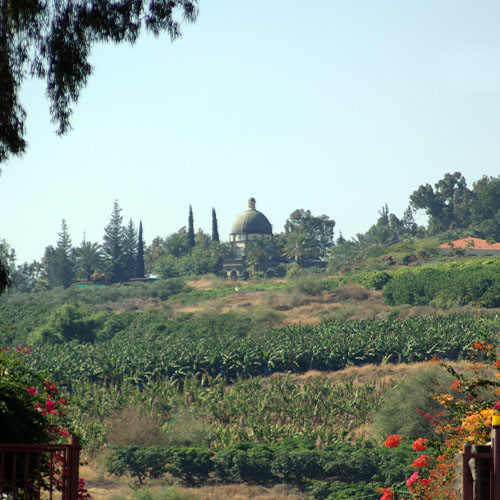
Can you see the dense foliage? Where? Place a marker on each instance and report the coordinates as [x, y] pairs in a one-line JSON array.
[[474, 281], [221, 396], [451, 205], [149, 346], [29, 407], [337, 468], [31, 411], [208, 411], [471, 402]]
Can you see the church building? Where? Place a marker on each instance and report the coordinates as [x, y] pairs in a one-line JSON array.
[[249, 225]]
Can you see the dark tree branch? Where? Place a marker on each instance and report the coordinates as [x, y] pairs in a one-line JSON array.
[[52, 39]]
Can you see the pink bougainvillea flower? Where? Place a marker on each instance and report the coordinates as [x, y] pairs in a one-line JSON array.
[[393, 441], [421, 461], [31, 390], [51, 406], [419, 444], [412, 479], [24, 349]]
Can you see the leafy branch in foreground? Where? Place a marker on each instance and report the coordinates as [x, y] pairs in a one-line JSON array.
[[52, 40]]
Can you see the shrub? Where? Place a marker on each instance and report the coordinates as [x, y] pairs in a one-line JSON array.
[[131, 426], [297, 465], [138, 461], [67, 323], [337, 490], [244, 462], [191, 464], [472, 281], [310, 285], [264, 316], [351, 291], [379, 280], [184, 428], [31, 411], [406, 404]]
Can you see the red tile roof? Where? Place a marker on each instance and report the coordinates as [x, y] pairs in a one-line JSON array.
[[477, 244]]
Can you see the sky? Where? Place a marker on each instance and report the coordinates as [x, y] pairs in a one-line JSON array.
[[336, 106]]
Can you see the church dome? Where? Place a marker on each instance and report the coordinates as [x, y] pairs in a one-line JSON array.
[[252, 221]]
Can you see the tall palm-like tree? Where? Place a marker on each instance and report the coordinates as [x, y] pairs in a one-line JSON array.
[[258, 252], [298, 246], [89, 259]]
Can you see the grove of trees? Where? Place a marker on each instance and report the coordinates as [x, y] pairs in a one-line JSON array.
[[452, 206], [454, 211]]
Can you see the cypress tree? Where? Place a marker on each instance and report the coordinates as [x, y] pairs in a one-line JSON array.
[[190, 233], [215, 229], [4, 278], [140, 254]]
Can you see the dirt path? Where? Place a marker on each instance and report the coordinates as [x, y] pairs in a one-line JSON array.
[[102, 486]]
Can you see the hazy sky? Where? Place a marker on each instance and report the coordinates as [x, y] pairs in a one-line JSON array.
[[333, 106]]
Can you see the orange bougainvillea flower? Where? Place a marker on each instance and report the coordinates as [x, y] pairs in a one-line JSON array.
[[421, 461], [387, 494], [393, 441], [419, 444]]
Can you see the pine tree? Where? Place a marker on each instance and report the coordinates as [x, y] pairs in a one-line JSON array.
[[408, 222], [130, 249], [113, 244], [139, 265], [59, 262], [215, 229], [190, 234]]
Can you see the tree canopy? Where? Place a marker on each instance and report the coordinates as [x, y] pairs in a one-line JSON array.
[[52, 40], [307, 236], [452, 206], [447, 204]]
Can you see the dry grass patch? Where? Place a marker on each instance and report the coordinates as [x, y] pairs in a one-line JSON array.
[[384, 374], [352, 291], [104, 487], [245, 492], [131, 426]]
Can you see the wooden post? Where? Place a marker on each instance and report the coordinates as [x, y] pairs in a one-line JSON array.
[[481, 466], [73, 468], [466, 473], [495, 450]]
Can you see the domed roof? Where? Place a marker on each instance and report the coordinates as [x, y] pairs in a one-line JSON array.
[[251, 221]]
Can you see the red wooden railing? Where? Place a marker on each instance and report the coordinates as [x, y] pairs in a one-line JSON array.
[[481, 469], [34, 471]]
